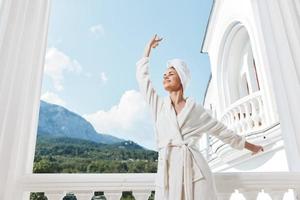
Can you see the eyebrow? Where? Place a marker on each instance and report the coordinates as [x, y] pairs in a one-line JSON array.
[[169, 72]]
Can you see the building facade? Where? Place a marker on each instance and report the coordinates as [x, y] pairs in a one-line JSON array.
[[254, 82]]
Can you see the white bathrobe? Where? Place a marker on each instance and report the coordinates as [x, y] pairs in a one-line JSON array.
[[182, 172]]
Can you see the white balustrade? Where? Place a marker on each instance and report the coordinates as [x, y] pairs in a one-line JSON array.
[[84, 195], [277, 194], [297, 193], [141, 195], [113, 195], [246, 114], [249, 185], [251, 195], [55, 195]]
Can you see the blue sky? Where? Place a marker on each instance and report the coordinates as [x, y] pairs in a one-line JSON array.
[[92, 50]]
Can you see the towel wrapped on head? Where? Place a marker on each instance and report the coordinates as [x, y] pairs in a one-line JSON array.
[[182, 71]]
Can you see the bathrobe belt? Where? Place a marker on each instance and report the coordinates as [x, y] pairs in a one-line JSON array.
[[187, 167]]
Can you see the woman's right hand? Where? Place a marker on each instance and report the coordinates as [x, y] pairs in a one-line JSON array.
[[152, 44]]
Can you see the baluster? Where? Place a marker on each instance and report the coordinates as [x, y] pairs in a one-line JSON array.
[[248, 116], [251, 104], [243, 118], [261, 113], [276, 194], [297, 193], [141, 195], [240, 117], [113, 195], [55, 195], [84, 195], [237, 120], [250, 195], [255, 114]]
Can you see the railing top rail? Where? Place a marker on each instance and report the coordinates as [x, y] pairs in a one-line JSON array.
[[240, 101], [123, 182], [69, 182]]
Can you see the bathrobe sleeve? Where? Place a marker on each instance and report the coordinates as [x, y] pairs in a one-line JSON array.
[[221, 131], [146, 88]]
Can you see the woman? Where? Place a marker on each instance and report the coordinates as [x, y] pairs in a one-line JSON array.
[[182, 172]]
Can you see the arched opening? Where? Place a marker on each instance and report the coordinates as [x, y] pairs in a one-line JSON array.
[[238, 74]]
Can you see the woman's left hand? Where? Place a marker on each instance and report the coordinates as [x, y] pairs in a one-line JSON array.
[[254, 148]]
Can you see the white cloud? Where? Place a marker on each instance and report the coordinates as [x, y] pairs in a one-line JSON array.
[[53, 98], [103, 77], [97, 30], [129, 119], [56, 64]]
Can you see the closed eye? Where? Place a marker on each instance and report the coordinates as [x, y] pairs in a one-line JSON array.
[[170, 73]]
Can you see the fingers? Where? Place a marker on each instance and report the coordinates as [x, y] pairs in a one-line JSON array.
[[156, 38], [155, 41], [258, 150]]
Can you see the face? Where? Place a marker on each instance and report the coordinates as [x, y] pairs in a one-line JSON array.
[[171, 80]]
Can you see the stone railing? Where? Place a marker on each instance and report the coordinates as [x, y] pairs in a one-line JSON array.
[[83, 186], [246, 114]]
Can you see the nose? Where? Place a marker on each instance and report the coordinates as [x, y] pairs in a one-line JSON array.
[[166, 78]]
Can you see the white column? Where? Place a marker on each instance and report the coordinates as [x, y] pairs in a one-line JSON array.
[[141, 195], [278, 33], [23, 30], [55, 195], [113, 195], [84, 195], [297, 193], [276, 194], [250, 195]]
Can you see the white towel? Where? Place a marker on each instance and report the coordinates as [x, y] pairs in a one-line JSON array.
[[182, 71]]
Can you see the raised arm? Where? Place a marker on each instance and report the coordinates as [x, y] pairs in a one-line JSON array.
[[143, 78], [221, 131]]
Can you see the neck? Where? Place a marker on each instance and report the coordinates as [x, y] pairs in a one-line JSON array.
[[176, 97]]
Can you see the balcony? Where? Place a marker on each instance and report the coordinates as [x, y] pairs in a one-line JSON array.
[[56, 186], [246, 116]]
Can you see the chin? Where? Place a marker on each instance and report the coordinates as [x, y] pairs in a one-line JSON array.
[[166, 89]]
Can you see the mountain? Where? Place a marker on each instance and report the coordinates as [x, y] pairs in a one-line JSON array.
[[57, 121], [67, 143], [58, 143]]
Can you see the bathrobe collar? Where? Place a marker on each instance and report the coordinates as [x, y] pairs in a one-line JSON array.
[[179, 119]]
